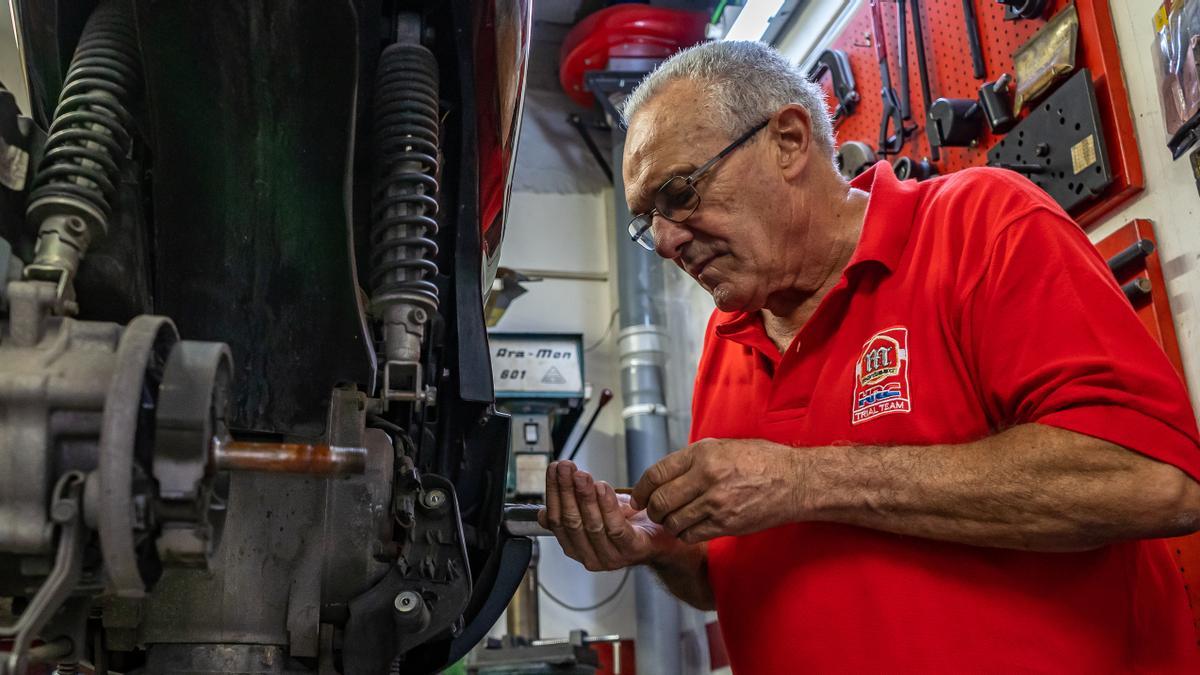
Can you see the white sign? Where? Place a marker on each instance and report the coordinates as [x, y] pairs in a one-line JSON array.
[[541, 364]]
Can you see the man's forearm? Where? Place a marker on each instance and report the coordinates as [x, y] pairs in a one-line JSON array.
[[684, 571], [1031, 487]]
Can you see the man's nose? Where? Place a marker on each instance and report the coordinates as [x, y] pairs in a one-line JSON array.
[[669, 237]]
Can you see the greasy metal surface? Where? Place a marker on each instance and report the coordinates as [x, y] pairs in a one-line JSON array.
[[68, 368], [270, 548], [357, 521], [292, 544], [433, 564], [141, 354], [252, 152], [309, 458], [206, 659]]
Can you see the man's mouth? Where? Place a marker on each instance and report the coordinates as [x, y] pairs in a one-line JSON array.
[[701, 266]]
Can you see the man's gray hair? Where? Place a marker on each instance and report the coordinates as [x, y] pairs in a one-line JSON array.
[[746, 81]]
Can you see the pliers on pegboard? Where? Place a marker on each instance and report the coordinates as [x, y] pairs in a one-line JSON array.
[[893, 113]]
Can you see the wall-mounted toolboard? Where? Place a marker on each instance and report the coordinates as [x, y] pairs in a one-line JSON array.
[[950, 74]]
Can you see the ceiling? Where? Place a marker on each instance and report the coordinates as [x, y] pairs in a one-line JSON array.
[[551, 157]]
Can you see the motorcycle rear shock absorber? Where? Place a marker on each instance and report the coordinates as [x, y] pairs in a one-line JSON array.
[[76, 181], [403, 211]]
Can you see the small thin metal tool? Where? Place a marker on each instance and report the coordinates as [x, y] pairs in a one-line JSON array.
[[923, 74], [893, 115], [972, 25]]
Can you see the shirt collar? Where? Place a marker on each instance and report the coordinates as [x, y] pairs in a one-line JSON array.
[[885, 232], [889, 218]]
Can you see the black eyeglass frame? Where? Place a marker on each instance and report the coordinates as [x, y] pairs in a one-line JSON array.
[[636, 233]]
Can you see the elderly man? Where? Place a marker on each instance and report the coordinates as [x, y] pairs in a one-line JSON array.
[[930, 435]]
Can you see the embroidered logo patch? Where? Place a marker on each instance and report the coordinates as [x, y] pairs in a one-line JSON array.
[[881, 376]]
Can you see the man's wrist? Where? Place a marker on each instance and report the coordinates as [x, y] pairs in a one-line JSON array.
[[804, 499], [670, 553]]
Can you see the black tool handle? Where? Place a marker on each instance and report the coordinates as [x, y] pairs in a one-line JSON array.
[[605, 397], [972, 25], [1135, 251], [885, 75], [923, 76], [1137, 289], [902, 58]]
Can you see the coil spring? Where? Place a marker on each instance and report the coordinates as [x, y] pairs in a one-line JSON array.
[[89, 133], [405, 131]]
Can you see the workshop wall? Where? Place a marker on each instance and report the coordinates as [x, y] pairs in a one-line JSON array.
[[1170, 199], [572, 233]]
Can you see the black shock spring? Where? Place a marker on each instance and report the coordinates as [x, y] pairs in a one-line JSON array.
[[89, 134], [405, 132]]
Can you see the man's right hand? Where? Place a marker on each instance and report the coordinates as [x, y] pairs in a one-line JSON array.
[[595, 525]]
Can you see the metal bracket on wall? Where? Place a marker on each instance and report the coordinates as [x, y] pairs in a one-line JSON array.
[[604, 83], [1060, 145]]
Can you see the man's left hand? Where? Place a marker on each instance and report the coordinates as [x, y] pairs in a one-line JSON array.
[[720, 487]]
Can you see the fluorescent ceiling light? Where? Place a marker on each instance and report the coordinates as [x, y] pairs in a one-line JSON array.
[[752, 21]]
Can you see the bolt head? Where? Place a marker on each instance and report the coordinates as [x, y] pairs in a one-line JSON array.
[[434, 498], [407, 601]]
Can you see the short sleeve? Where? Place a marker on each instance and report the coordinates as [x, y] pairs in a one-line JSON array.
[[1051, 339]]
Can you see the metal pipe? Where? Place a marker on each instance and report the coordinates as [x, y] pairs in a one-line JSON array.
[[523, 618], [640, 344], [303, 458]]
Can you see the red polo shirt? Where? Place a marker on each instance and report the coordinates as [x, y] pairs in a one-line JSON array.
[[972, 303]]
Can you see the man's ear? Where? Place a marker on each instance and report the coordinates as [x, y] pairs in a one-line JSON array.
[[792, 127]]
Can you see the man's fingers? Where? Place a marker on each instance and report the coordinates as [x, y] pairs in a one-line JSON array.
[[702, 531], [673, 496], [593, 522], [690, 514], [572, 519], [616, 526], [553, 509], [666, 469]]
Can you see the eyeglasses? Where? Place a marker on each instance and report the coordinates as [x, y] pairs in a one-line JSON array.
[[677, 199]]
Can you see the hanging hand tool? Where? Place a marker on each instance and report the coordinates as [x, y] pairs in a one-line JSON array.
[[902, 57], [997, 105], [1016, 10], [1137, 290], [893, 116], [854, 157], [1136, 251], [955, 121], [923, 75], [917, 169], [605, 396], [972, 25], [837, 64]]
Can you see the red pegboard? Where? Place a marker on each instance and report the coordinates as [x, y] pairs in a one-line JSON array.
[[950, 76], [1155, 314]]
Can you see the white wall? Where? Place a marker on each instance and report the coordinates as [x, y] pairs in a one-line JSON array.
[[572, 232], [1170, 199]]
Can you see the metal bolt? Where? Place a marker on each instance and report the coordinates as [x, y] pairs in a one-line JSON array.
[[1041, 149], [408, 601], [418, 315], [63, 511], [433, 499], [76, 226]]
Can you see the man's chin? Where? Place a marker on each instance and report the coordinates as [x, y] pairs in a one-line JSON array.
[[728, 300]]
